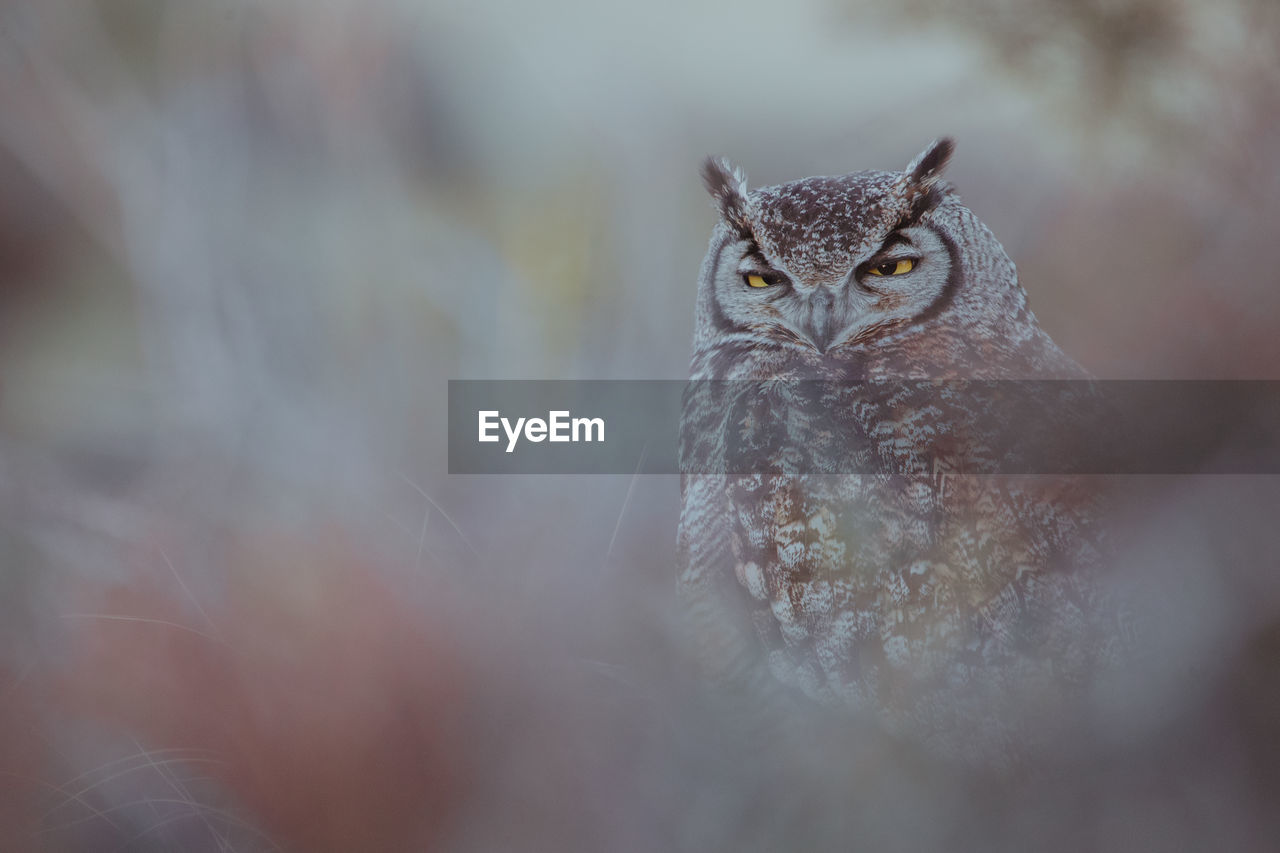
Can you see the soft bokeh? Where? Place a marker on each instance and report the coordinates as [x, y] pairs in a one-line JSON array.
[[244, 245]]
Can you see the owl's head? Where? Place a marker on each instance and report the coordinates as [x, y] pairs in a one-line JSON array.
[[855, 267]]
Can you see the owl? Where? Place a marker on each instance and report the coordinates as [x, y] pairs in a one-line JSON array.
[[845, 320]]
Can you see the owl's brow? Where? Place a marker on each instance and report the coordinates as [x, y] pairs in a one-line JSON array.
[[895, 239], [756, 256]]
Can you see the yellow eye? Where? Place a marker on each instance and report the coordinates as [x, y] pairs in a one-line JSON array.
[[757, 281], [898, 267]]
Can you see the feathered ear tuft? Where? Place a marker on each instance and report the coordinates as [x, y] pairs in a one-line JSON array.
[[727, 184], [926, 169]]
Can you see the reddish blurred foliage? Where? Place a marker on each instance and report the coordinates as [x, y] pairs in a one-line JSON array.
[[22, 763], [335, 714]]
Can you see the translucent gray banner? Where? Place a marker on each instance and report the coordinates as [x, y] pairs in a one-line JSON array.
[[903, 427]]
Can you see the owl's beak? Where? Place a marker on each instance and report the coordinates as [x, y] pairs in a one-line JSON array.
[[820, 325]]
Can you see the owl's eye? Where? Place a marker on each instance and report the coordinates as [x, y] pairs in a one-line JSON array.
[[898, 267], [755, 279]]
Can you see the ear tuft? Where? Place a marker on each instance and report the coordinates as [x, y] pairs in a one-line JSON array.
[[727, 185], [926, 169]]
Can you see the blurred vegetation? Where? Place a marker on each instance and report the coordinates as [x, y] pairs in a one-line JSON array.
[[1201, 77]]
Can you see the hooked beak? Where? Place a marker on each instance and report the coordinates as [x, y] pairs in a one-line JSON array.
[[820, 326]]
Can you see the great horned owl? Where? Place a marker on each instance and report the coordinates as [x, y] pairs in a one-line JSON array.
[[909, 592]]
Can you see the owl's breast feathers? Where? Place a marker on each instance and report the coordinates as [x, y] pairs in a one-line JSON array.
[[876, 589]]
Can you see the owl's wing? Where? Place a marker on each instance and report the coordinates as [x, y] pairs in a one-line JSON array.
[[718, 606]]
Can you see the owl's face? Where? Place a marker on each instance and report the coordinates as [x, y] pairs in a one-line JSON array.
[[890, 278], [858, 267], [829, 261]]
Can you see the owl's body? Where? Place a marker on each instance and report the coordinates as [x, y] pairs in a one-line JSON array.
[[910, 592]]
